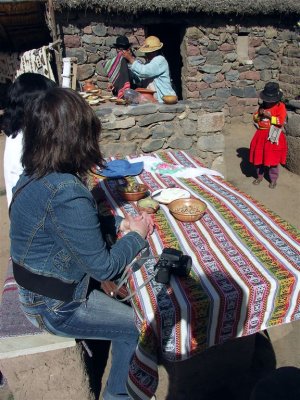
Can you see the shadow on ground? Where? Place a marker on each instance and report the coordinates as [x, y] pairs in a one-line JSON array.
[[227, 371], [247, 168]]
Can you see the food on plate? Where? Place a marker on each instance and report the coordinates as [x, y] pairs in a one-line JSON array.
[[167, 195]]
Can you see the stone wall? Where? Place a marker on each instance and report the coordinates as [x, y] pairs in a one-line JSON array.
[[193, 126], [293, 136], [213, 67]]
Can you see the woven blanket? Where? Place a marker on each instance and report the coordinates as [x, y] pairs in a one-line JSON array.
[[244, 278], [12, 319], [118, 74]]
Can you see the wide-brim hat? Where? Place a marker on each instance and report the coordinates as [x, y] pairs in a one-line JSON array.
[[152, 43], [271, 93], [122, 42], [121, 168]]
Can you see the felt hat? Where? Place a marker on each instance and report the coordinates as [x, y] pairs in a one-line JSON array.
[[121, 168], [271, 93], [152, 43], [122, 42]]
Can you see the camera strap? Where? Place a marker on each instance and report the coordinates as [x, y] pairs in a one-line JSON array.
[[134, 266]]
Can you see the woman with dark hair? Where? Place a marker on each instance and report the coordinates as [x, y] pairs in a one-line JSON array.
[[57, 246], [26, 87]]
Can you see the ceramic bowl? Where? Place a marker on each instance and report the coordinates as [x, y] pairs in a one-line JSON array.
[[170, 99], [136, 195], [187, 210], [148, 205]]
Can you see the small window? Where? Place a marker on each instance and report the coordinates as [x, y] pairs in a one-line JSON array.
[[243, 46]]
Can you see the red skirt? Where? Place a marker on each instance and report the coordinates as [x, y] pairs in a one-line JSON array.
[[263, 152]]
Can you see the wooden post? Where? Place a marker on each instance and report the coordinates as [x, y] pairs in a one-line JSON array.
[[50, 18]]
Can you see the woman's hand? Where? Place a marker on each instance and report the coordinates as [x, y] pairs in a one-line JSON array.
[[142, 224], [128, 55]]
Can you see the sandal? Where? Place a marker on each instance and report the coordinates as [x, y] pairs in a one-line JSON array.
[[272, 185], [257, 181]]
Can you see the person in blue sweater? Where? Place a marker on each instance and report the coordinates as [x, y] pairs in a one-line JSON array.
[[156, 69]]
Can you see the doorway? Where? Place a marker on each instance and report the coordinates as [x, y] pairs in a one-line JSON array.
[[171, 36]]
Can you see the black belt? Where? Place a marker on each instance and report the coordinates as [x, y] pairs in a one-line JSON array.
[[43, 285]]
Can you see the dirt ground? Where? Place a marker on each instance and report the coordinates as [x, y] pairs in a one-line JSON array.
[[227, 371]]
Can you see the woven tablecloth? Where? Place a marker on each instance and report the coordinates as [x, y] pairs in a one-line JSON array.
[[244, 278]]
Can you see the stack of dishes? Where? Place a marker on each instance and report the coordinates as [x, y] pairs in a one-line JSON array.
[[92, 97]]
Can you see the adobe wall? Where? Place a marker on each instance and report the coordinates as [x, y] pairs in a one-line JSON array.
[[212, 66]]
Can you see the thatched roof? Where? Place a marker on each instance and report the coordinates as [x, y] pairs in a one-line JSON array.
[[241, 7]]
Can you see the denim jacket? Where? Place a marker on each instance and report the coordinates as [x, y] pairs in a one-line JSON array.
[[55, 232]]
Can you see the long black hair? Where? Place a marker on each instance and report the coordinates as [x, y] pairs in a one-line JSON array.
[[25, 88], [61, 133]]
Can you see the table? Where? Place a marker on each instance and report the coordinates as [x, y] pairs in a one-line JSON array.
[[244, 278]]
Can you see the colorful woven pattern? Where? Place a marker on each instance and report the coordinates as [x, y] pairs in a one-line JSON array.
[[244, 278]]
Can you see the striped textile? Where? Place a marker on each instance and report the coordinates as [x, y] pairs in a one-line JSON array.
[[244, 278], [12, 319], [117, 71]]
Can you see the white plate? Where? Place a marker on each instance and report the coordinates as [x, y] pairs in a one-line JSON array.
[[165, 196]]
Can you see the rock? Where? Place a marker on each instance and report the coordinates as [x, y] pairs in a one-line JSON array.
[[71, 41], [214, 58], [180, 142], [223, 92], [196, 60], [92, 39], [219, 165], [263, 51], [238, 92], [125, 123], [113, 149], [209, 78], [99, 29], [270, 33], [293, 124], [80, 54], [212, 46], [152, 145], [171, 108], [293, 158], [232, 75], [231, 57], [151, 119], [210, 69], [189, 127], [142, 109], [205, 93], [109, 135], [263, 62], [161, 132], [213, 122], [85, 71], [250, 92], [214, 143]]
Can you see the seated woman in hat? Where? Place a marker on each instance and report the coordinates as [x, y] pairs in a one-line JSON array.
[[116, 69], [268, 147], [155, 71]]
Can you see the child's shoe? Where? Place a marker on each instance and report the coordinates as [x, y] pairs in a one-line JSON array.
[[257, 181]]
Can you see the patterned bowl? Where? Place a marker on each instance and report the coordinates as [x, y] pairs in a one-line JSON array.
[[187, 210]]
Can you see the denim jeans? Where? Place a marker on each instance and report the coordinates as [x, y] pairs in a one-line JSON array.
[[99, 317]]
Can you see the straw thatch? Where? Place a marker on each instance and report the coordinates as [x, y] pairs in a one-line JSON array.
[[240, 7]]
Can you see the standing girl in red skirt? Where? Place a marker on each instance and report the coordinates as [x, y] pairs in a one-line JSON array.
[[268, 146]]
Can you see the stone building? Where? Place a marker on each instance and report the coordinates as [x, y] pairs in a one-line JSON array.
[[223, 51]]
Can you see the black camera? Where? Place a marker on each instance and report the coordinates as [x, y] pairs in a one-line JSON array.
[[172, 261]]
